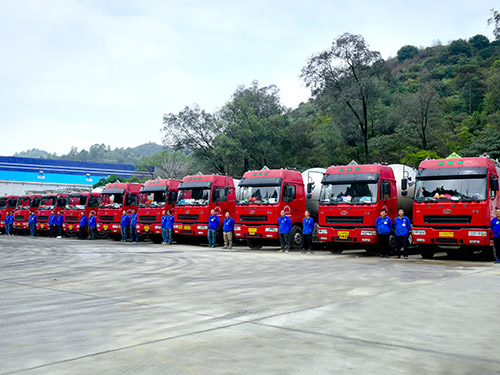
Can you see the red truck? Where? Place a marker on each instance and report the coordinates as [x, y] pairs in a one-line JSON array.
[[7, 204], [262, 195], [198, 195], [156, 196], [454, 202], [25, 205], [77, 203], [351, 199], [49, 202], [116, 198]]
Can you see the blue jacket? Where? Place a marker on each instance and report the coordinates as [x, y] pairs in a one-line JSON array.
[[495, 227], [308, 225], [52, 219], [170, 222], [213, 222], [164, 221], [285, 224], [60, 219], [92, 222], [383, 225], [9, 219], [83, 220], [402, 226], [228, 225], [125, 221], [32, 219], [133, 220]]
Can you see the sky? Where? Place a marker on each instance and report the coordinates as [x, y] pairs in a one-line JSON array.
[[80, 72]]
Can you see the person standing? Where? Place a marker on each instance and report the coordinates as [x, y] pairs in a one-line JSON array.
[[32, 223], [124, 224], [227, 228], [133, 227], [307, 231], [402, 228], [9, 224], [92, 226], [83, 224], [59, 223], [284, 228], [495, 228], [52, 224], [164, 227], [170, 227], [384, 226], [213, 225]]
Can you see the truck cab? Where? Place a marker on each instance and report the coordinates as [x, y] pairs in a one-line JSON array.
[[454, 202], [198, 196], [351, 199], [25, 205], [7, 204], [77, 203], [156, 196], [261, 196], [49, 203], [116, 198]]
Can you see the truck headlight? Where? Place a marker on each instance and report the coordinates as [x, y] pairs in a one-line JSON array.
[[418, 232], [477, 233], [116, 226], [322, 231], [237, 228], [271, 229], [159, 226], [201, 227], [176, 226], [368, 233]]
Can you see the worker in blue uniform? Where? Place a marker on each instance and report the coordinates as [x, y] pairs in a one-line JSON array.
[[284, 229], [384, 226]]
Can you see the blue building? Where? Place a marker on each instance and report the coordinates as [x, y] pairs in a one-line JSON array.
[[19, 175]]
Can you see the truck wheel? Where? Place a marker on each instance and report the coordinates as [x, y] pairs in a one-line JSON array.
[[489, 253], [156, 239], [427, 253], [296, 239], [254, 245], [333, 249], [116, 237]]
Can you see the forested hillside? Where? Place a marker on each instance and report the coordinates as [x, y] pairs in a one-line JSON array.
[[428, 101], [100, 153]]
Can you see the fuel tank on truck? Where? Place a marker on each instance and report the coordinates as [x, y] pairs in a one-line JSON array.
[[312, 184], [403, 171]]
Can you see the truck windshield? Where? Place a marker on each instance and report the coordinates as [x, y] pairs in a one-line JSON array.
[[350, 193], [76, 202], [455, 189], [23, 202], [48, 202], [193, 197], [258, 194], [12, 202], [61, 201], [153, 199], [112, 200]]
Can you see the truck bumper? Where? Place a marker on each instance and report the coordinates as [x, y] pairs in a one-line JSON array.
[[256, 231], [108, 228], [358, 235], [42, 227], [151, 228], [191, 229], [450, 237]]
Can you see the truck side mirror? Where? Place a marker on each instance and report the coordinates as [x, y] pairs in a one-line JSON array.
[[386, 188], [310, 187], [404, 184], [404, 193], [494, 184]]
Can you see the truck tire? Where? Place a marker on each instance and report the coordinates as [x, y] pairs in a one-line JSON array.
[[427, 252], [155, 238], [489, 253], [333, 248], [296, 238], [253, 245]]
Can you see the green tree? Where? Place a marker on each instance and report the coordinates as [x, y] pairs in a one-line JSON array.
[[346, 73], [166, 164], [407, 52], [495, 21]]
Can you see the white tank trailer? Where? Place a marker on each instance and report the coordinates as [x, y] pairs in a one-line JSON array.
[[312, 184]]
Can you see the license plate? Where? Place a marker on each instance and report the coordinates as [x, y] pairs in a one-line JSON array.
[[186, 227], [343, 234], [105, 227], [180, 226], [445, 234], [41, 226], [71, 227], [252, 231], [146, 228], [18, 224]]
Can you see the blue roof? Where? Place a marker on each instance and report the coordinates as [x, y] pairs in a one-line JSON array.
[[14, 168]]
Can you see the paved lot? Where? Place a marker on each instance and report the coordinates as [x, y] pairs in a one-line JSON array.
[[103, 307]]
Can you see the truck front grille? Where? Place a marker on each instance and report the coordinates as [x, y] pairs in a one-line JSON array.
[[344, 219]]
